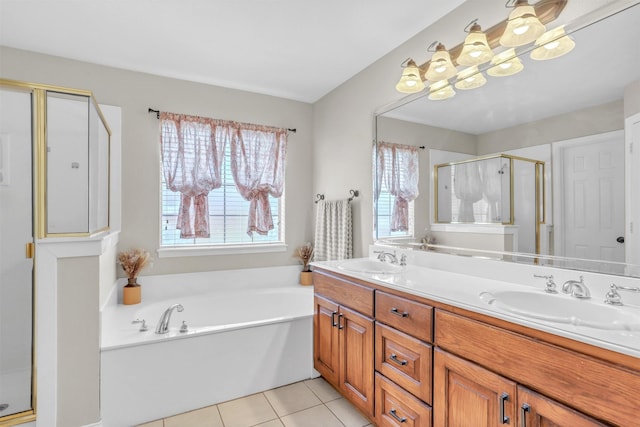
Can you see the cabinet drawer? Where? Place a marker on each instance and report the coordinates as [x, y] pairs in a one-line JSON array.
[[408, 316], [404, 360], [397, 408], [344, 292]]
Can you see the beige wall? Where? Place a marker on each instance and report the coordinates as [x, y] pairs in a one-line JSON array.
[[78, 342], [135, 92], [589, 121]]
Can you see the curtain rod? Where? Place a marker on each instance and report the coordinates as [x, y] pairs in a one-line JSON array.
[[151, 110]]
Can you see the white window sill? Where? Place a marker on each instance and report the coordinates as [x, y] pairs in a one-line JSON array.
[[173, 251]]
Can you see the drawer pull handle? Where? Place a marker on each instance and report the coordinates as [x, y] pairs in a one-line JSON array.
[[523, 414], [333, 319], [503, 398], [397, 313], [394, 357], [340, 324], [399, 419]]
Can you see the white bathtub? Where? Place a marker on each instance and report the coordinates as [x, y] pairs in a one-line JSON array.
[[248, 331]]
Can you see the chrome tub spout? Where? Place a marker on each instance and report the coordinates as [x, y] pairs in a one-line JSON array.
[[163, 323]]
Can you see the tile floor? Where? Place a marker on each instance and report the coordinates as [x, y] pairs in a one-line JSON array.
[[311, 403]]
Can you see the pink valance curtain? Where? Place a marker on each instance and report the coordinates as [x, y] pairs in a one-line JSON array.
[[257, 165], [398, 165], [192, 155]]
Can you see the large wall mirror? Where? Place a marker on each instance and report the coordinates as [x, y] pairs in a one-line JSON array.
[[568, 113]]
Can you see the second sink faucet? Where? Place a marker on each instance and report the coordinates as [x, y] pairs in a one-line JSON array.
[[382, 256], [576, 288], [163, 323]]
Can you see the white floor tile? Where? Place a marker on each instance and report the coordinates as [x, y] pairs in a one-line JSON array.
[[291, 398], [247, 411], [318, 416], [347, 413], [205, 417], [323, 389]]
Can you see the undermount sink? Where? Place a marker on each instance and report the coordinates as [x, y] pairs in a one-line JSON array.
[[563, 309], [369, 266]]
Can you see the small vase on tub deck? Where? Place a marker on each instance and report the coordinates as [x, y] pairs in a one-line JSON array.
[[132, 262], [304, 254], [306, 278], [132, 292]]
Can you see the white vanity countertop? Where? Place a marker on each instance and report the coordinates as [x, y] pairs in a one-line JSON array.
[[463, 291]]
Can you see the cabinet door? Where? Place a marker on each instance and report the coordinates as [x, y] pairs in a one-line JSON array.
[[466, 394], [536, 410], [325, 339], [356, 358]]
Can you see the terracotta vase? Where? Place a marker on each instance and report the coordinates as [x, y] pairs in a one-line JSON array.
[[306, 278], [132, 292]]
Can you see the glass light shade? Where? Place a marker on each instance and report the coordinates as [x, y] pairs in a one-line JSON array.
[[470, 78], [505, 64], [410, 82], [552, 44], [441, 90], [440, 67], [523, 26], [475, 50]]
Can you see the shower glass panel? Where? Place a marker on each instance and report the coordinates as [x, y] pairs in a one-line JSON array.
[[16, 267], [67, 163], [77, 166]]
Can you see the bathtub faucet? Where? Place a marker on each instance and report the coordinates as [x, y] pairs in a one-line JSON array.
[[163, 323]]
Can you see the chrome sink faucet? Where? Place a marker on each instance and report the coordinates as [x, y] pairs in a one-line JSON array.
[[576, 288], [382, 256], [614, 298], [163, 323]]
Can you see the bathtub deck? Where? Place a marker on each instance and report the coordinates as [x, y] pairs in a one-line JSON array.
[[302, 404]]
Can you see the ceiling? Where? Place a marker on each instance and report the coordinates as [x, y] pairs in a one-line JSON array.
[[295, 49]]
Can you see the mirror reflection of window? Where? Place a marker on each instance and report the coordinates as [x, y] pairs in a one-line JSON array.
[[397, 174]]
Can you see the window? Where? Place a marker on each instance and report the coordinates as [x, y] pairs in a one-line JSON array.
[[397, 171], [224, 218], [385, 211]]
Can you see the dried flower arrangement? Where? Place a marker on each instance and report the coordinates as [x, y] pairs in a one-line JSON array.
[[133, 261], [304, 253]]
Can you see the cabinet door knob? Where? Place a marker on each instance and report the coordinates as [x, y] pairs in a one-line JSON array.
[[397, 313], [503, 398], [397, 418]]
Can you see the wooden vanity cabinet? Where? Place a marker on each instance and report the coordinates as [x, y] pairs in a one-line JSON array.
[[574, 389], [343, 338]]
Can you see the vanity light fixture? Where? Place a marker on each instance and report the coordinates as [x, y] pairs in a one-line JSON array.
[[441, 90], [476, 49], [470, 78], [552, 44], [441, 67], [505, 64], [410, 82], [523, 25]]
